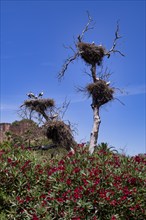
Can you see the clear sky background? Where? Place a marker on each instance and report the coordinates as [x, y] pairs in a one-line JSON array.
[[32, 54]]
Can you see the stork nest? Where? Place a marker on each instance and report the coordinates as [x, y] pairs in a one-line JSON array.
[[100, 92], [61, 134], [39, 105], [91, 53]]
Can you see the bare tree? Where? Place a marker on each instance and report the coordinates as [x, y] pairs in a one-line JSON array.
[[99, 90]]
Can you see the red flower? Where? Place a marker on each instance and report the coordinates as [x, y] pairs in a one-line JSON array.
[[77, 196], [61, 162], [137, 159], [68, 181], [60, 200], [2, 152], [9, 160], [20, 201], [70, 154], [113, 217], [76, 170], [28, 199], [43, 196], [132, 208], [76, 218], [85, 182], [113, 203], [44, 203], [97, 181], [34, 217], [81, 145], [25, 165], [77, 192], [61, 168], [123, 197]]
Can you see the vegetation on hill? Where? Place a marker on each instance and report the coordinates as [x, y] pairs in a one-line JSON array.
[[26, 132], [72, 186]]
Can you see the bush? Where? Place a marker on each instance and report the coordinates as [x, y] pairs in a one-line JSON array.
[[104, 186]]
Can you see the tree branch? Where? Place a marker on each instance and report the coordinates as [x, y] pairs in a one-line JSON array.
[[87, 27], [76, 53], [62, 110], [88, 74], [67, 62], [119, 101], [113, 50], [104, 74]]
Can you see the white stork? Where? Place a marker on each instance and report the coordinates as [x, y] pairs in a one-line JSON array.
[[40, 95], [53, 116], [108, 83], [31, 95], [97, 79]]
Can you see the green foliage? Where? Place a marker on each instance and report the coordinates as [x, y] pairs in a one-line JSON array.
[[103, 186]]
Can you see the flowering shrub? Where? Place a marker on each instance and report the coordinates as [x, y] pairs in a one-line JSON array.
[[102, 186]]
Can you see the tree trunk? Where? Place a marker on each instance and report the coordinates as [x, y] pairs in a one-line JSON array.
[[93, 72], [95, 129], [45, 115], [96, 118]]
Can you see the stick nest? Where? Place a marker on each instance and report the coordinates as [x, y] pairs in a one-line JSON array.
[[60, 133], [91, 53], [100, 92], [39, 105]]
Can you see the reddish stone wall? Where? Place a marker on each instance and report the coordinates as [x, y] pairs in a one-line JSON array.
[[4, 127], [19, 128]]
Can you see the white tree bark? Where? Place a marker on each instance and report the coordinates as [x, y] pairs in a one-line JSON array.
[[95, 129]]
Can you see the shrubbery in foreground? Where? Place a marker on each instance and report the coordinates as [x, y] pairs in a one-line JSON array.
[[104, 186]]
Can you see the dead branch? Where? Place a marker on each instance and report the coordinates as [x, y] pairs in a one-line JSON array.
[[87, 73], [87, 27], [67, 62], [25, 113], [119, 101], [73, 127], [113, 48], [65, 107], [122, 91], [81, 89], [76, 53], [69, 47], [104, 74], [62, 110]]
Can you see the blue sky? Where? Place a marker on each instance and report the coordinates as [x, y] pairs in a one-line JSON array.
[[32, 54]]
